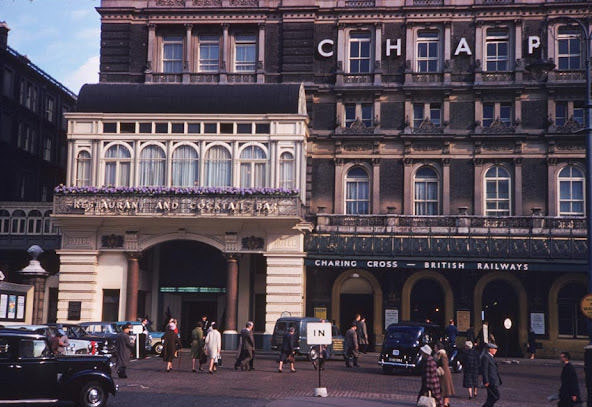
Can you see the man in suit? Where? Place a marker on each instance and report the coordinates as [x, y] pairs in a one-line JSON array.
[[569, 392], [351, 346], [123, 349], [491, 377], [246, 348]]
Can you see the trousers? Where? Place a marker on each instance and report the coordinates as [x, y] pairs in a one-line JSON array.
[[493, 395]]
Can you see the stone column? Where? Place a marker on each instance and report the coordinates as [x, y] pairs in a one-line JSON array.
[[36, 276], [133, 284], [230, 334], [150, 63], [225, 53]]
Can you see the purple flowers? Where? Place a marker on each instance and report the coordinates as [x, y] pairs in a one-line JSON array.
[[151, 191]]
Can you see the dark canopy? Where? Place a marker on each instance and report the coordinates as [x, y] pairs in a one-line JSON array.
[[187, 98]]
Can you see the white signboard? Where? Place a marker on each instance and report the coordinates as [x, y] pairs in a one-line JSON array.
[[319, 333], [137, 329], [537, 322], [391, 316]]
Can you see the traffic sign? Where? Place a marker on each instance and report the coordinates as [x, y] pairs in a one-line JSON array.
[[586, 306], [318, 333]]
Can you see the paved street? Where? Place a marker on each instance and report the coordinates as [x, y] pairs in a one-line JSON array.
[[526, 384]]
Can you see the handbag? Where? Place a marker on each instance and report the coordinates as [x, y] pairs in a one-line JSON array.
[[219, 361], [426, 400]]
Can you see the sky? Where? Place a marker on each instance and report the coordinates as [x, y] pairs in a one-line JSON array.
[[61, 37]]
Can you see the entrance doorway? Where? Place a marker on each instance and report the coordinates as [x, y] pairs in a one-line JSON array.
[[427, 302], [357, 298], [192, 312], [500, 310]]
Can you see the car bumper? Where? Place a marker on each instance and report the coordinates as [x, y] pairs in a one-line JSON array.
[[397, 364]]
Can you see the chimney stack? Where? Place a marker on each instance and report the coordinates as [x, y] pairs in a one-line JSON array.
[[3, 34]]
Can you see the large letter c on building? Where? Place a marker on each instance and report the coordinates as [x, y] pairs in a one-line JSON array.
[[322, 52]]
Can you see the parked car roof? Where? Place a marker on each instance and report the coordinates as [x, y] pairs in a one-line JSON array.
[[416, 324], [20, 333], [298, 319]]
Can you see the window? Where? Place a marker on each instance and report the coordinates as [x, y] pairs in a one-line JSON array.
[[172, 54], [4, 222], [494, 111], [426, 192], [34, 349], [570, 319], [245, 53], [109, 127], [50, 109], [578, 113], [359, 52], [48, 228], [569, 45], [185, 167], [357, 192], [8, 81], [561, 113], [497, 192], [287, 171], [571, 191], [19, 220], [47, 148], [428, 54], [431, 111], [127, 127], [83, 163], [117, 166], [152, 165], [34, 222], [209, 53], [253, 167], [497, 49], [361, 112], [218, 167], [32, 97]]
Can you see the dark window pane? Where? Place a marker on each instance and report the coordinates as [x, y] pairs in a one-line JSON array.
[[210, 128], [226, 128], [145, 127], [109, 127], [127, 127], [262, 128], [178, 128], [244, 128], [162, 128], [194, 128]]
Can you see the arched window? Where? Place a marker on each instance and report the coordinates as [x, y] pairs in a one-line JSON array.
[[117, 166], [287, 170], [571, 191], [218, 167], [4, 222], [497, 192], [571, 320], [83, 163], [19, 222], [357, 192], [34, 222], [185, 167], [253, 165], [427, 191], [152, 164]]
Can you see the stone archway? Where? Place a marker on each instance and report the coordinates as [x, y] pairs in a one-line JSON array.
[[515, 283], [553, 294], [408, 288], [377, 299]]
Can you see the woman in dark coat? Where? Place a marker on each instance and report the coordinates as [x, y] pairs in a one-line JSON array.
[[171, 344], [470, 369], [287, 350]]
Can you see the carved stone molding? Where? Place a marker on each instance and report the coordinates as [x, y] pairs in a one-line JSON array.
[[231, 242], [252, 243], [207, 3], [130, 242], [170, 3], [112, 241]]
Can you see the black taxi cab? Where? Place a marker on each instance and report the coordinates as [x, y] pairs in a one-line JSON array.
[[31, 373]]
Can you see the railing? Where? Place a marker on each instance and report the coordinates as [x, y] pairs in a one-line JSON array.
[[426, 77], [425, 2], [167, 77], [242, 78], [204, 78], [357, 78], [497, 76], [359, 3], [566, 76], [494, 2]]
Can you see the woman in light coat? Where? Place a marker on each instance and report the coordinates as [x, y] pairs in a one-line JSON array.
[[213, 346]]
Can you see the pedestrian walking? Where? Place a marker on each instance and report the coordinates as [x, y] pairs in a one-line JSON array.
[[213, 346], [451, 333], [531, 344], [491, 378], [123, 349], [363, 341], [287, 353], [205, 324], [569, 392], [197, 347], [470, 359], [351, 346], [444, 374], [430, 383], [170, 345], [63, 342], [246, 348]]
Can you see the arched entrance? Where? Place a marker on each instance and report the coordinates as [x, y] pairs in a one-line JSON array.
[[565, 318], [188, 280], [427, 295], [358, 292], [496, 297]]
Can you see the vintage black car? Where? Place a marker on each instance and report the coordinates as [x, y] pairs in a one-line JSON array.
[[30, 373], [402, 341]]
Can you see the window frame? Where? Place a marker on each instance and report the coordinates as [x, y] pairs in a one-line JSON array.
[[352, 39], [185, 161], [83, 161], [207, 42], [229, 161], [152, 163], [427, 107], [426, 202], [347, 180], [252, 164], [575, 34], [236, 43], [283, 163], [497, 40], [428, 58], [497, 178], [119, 161], [359, 114], [173, 42], [571, 179]]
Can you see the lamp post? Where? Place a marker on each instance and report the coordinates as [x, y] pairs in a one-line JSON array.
[[544, 66]]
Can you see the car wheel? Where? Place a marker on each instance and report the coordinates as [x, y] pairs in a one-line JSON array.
[[92, 394], [313, 354], [387, 369], [157, 348]]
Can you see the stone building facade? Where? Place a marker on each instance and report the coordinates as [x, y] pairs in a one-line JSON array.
[[444, 176]]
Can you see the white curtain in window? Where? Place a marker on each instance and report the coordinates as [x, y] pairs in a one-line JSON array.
[[253, 167], [83, 169], [117, 166], [152, 163], [218, 167], [287, 173], [185, 167], [357, 192]]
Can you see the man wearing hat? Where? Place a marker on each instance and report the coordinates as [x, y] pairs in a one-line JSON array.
[[491, 377]]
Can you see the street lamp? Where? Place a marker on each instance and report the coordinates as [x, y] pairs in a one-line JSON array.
[[588, 132]]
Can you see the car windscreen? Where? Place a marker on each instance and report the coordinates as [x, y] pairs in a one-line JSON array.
[[76, 332], [405, 335]]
